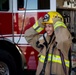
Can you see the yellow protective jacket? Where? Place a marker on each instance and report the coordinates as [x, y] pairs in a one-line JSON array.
[[64, 41]]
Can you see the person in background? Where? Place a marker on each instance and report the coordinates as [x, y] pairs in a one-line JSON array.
[[53, 45]]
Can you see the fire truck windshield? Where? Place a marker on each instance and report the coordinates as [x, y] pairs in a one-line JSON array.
[[34, 4], [26, 4], [4, 5]]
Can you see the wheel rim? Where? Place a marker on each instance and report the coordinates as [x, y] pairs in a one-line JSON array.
[[4, 70]]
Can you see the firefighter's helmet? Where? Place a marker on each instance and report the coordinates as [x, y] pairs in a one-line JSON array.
[[48, 18]]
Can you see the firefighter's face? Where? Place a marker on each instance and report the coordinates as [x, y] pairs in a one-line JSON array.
[[49, 29]]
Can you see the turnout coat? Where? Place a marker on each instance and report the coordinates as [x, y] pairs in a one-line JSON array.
[[63, 39]]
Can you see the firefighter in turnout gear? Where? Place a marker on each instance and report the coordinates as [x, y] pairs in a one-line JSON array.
[[53, 46]]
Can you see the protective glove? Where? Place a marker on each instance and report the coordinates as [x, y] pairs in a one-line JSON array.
[[38, 27], [57, 22], [56, 19]]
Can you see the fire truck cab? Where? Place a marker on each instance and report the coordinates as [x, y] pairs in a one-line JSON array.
[[15, 17]]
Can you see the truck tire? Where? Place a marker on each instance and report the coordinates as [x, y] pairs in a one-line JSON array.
[[7, 64]]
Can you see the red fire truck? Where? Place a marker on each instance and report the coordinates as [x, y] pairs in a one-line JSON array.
[[16, 16]]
